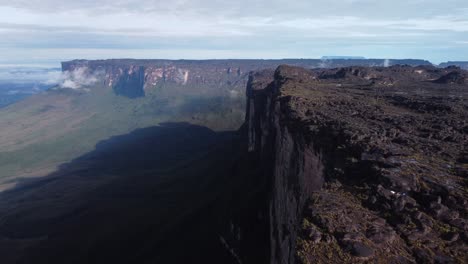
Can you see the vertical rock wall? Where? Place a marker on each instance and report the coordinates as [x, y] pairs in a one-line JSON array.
[[290, 163]]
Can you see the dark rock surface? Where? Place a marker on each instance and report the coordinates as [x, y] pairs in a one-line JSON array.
[[131, 84], [362, 164], [453, 77]]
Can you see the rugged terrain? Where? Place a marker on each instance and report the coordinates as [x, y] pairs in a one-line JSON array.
[[101, 99], [346, 165], [135, 78], [362, 164]]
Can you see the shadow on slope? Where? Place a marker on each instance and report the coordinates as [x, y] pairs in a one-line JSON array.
[[144, 197]]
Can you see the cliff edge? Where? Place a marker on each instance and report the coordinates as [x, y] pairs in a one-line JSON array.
[[362, 164]]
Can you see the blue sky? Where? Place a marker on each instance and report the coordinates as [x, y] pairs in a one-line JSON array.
[[45, 32]]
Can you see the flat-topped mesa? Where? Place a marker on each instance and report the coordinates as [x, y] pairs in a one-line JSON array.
[[362, 164], [134, 78], [461, 64]]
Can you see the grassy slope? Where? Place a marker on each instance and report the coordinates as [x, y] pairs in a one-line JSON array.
[[141, 196], [46, 130]]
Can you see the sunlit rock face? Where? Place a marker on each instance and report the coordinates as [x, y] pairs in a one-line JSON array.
[[136, 78]]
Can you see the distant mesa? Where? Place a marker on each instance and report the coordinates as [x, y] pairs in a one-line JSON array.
[[343, 58], [461, 64], [136, 78]]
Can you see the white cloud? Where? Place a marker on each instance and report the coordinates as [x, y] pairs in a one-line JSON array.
[[27, 74], [213, 8], [229, 27], [76, 79]]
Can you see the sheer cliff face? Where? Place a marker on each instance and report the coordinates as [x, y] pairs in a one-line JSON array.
[[361, 164], [135, 78], [288, 159]]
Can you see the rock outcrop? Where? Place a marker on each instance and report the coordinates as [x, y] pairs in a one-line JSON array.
[[360, 164], [455, 76]]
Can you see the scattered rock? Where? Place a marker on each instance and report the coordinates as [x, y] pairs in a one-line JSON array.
[[315, 235], [361, 250], [451, 237]]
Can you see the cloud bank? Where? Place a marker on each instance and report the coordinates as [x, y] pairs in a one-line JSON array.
[[435, 30], [25, 74]]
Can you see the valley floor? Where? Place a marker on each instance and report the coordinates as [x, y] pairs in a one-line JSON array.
[[144, 197]]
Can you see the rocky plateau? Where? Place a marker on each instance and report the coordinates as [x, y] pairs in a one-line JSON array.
[[342, 161], [361, 164]]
